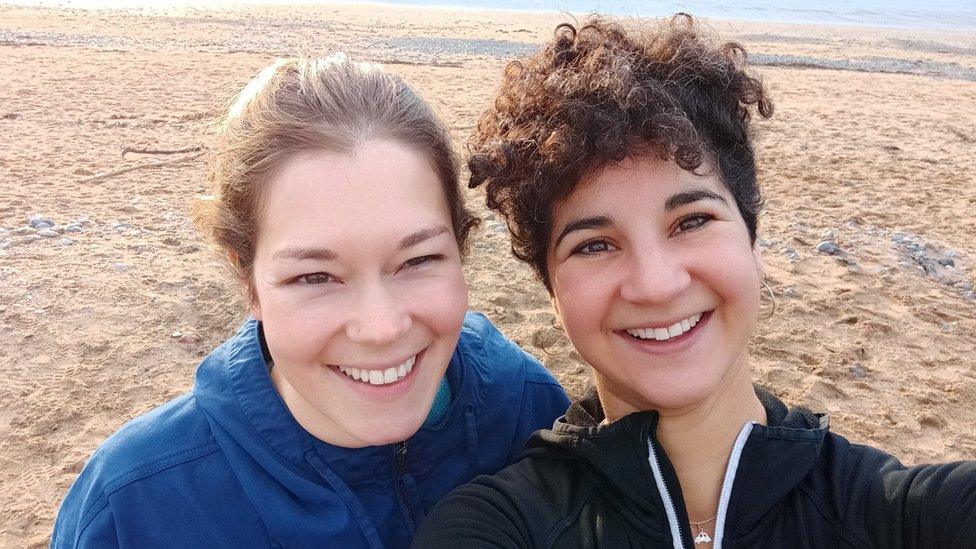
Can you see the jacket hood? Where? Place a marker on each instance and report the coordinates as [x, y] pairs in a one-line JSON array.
[[776, 458]]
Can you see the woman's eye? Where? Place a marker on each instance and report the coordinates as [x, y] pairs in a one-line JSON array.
[[693, 222], [316, 278], [418, 261], [593, 247]]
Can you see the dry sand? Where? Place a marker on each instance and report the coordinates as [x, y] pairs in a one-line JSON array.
[[872, 149]]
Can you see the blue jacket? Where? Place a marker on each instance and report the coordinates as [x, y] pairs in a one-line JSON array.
[[227, 465]]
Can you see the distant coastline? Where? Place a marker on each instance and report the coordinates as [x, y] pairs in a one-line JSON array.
[[896, 14]]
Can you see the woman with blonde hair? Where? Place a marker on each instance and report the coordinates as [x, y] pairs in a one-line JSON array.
[[360, 391], [622, 160]]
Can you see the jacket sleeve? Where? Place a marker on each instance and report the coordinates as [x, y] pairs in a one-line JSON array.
[[889, 505], [927, 506], [83, 526], [473, 516]]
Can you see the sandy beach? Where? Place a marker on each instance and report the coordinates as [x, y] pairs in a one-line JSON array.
[[868, 235]]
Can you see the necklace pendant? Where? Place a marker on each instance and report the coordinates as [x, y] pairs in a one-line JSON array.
[[702, 537]]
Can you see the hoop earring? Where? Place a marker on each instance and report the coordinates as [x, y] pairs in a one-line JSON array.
[[548, 347], [772, 298]]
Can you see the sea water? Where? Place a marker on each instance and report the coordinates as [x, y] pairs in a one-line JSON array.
[[930, 14], [908, 14]]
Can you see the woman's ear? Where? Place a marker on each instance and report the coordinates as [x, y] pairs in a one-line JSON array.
[[255, 305], [252, 296], [757, 257]]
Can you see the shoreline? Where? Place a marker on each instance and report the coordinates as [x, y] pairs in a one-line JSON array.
[[216, 6], [886, 51]]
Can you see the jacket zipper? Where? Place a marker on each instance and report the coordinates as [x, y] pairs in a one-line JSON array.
[[665, 496], [730, 469], [400, 451], [723, 501]]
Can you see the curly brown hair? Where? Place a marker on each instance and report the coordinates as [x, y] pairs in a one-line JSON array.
[[599, 94]]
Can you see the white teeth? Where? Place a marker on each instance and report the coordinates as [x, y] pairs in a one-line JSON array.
[[375, 377], [664, 334], [380, 377]]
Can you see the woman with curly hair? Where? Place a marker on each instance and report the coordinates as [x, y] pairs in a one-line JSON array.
[[623, 163]]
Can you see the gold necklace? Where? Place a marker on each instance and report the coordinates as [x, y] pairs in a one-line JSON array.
[[702, 536]]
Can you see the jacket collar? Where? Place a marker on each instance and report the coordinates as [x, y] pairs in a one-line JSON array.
[[233, 385], [776, 458]]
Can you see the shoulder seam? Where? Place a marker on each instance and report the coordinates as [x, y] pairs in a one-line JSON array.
[[850, 537], [569, 519], [144, 471], [541, 379]]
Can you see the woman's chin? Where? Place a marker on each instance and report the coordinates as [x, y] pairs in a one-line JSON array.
[[379, 433], [658, 394]]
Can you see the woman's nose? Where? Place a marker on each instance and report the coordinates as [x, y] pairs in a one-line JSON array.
[[652, 274], [380, 317]]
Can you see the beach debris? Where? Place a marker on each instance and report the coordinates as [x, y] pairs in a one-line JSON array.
[[790, 253], [156, 164], [136, 150], [932, 260], [829, 247], [176, 334], [189, 339], [38, 221]]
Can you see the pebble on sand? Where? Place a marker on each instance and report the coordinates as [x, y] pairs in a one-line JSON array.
[[66, 242], [38, 221], [121, 267], [48, 233], [829, 247]]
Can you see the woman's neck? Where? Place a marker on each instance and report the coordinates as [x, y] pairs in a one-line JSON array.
[[698, 439]]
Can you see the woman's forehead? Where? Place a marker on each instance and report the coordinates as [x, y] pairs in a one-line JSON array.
[[647, 180]]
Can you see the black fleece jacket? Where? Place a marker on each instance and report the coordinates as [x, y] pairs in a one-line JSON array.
[[793, 484]]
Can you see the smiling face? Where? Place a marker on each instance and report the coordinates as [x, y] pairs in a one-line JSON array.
[[360, 290], [656, 283]]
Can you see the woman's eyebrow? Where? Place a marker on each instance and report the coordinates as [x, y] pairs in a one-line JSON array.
[[301, 253], [687, 197], [421, 235], [583, 223]]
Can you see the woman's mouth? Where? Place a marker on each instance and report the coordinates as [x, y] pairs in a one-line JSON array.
[[673, 331], [380, 376]]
